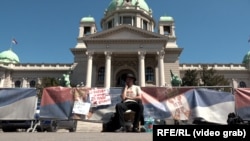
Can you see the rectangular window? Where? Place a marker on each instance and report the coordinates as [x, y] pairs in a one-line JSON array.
[[166, 30], [127, 20], [110, 24], [145, 25], [120, 21], [134, 21], [87, 30]]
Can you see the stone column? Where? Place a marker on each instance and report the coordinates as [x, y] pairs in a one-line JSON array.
[[141, 68], [107, 70], [24, 83], [89, 69], [161, 67], [1, 82], [81, 31], [173, 30]]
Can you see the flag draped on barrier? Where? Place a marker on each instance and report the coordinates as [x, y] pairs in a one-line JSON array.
[[159, 102], [242, 103], [56, 103], [17, 103], [187, 104]]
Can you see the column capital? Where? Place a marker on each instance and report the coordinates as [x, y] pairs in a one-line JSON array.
[[108, 53], [89, 53], [141, 54], [161, 54]]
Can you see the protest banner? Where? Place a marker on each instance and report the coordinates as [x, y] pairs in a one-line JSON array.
[[99, 96]]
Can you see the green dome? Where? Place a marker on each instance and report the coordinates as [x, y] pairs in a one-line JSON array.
[[9, 56], [88, 19], [246, 58], [166, 18], [116, 3]]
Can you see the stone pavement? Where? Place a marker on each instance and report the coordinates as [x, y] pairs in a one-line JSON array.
[[86, 130], [86, 126]]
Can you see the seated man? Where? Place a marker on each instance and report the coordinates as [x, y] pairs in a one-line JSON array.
[[131, 95]]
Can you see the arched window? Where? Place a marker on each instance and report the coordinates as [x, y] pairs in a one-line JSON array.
[[242, 84], [101, 74], [32, 84], [18, 84], [149, 74]]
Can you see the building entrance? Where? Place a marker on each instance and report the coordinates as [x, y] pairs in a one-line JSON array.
[[120, 81]]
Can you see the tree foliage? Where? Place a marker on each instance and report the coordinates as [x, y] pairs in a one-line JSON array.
[[205, 77], [210, 78], [190, 78]]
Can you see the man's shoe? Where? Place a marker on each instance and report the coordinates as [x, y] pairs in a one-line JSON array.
[[136, 130], [122, 129]]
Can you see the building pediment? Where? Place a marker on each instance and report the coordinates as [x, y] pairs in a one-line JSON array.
[[125, 32]]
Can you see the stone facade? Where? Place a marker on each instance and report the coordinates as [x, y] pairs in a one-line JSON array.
[[126, 44]]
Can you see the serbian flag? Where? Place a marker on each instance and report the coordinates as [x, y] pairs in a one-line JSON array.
[[187, 104], [14, 41], [242, 102], [56, 103]]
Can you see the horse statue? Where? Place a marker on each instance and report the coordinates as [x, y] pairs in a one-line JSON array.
[[175, 80], [65, 80]]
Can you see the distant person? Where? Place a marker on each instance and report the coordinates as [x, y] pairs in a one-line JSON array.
[[131, 99]]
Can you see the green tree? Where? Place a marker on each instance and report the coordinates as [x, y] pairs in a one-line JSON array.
[[190, 78], [210, 78]]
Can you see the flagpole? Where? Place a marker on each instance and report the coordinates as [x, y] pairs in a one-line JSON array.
[[11, 43], [249, 40]]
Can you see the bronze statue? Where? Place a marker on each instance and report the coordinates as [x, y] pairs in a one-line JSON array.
[[65, 80], [175, 80]]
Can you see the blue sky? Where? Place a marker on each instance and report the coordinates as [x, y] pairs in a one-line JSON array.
[[209, 31]]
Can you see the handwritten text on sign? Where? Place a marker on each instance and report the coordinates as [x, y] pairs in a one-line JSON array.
[[99, 96], [81, 107]]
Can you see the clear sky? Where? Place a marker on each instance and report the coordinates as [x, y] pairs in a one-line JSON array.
[[209, 31]]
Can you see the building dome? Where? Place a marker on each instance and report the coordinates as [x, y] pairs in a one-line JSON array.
[[9, 56], [166, 18], [88, 19], [246, 58], [116, 3]]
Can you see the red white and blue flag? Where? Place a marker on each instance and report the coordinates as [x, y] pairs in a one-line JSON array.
[[187, 104], [56, 103], [176, 103], [242, 102], [14, 41]]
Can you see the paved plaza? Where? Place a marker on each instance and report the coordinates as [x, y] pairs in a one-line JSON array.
[[87, 131], [87, 126]]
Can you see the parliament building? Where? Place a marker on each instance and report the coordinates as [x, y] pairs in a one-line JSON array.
[[131, 41]]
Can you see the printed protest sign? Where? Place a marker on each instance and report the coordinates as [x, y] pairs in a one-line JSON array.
[[99, 96]]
